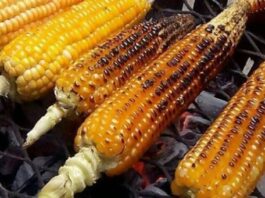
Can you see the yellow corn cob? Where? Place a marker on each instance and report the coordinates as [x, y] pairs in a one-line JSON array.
[[230, 158], [19, 16], [119, 131], [32, 62], [93, 77]]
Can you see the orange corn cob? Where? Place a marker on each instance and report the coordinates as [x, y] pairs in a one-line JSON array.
[[93, 77], [230, 157], [31, 63], [119, 131], [19, 16]]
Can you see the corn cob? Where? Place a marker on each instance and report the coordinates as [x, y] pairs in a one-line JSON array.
[[93, 77], [229, 159], [119, 131], [19, 16], [32, 62]]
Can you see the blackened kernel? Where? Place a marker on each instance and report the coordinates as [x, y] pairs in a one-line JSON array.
[[173, 62], [175, 76], [164, 84], [92, 99], [223, 148], [159, 74], [234, 131], [222, 38], [200, 47], [221, 27], [114, 52], [149, 102], [251, 127], [116, 65], [107, 72], [231, 164], [206, 41], [185, 64], [214, 162], [203, 155], [103, 61], [224, 176], [209, 28], [162, 105], [148, 83], [158, 91]]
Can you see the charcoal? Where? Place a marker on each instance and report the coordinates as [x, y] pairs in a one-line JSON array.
[[209, 104], [152, 191]]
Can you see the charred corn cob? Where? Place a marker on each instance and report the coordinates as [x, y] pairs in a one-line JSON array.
[[31, 63], [119, 131], [94, 76], [19, 16], [229, 159]]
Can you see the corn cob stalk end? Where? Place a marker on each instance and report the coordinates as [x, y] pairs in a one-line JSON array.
[[4, 86], [78, 172], [53, 116]]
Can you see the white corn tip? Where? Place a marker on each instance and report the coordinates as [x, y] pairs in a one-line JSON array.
[[78, 172], [54, 115]]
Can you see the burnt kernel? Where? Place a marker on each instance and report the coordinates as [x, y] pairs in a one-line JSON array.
[[148, 83], [92, 99], [234, 131], [221, 27], [206, 41], [209, 28], [159, 74], [103, 61], [238, 120], [175, 76], [158, 91], [224, 176], [185, 64], [164, 85], [76, 84], [106, 72], [210, 55], [114, 52], [214, 162], [223, 148], [173, 62], [222, 39], [200, 47], [149, 102], [251, 127], [231, 164], [203, 155], [116, 65], [162, 105]]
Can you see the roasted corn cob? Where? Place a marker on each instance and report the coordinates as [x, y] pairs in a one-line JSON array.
[[118, 132], [31, 63], [230, 157], [19, 16], [94, 76]]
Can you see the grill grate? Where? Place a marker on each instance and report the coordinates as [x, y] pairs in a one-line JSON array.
[[24, 172]]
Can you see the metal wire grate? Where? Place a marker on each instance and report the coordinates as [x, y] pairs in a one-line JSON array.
[[42, 161]]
